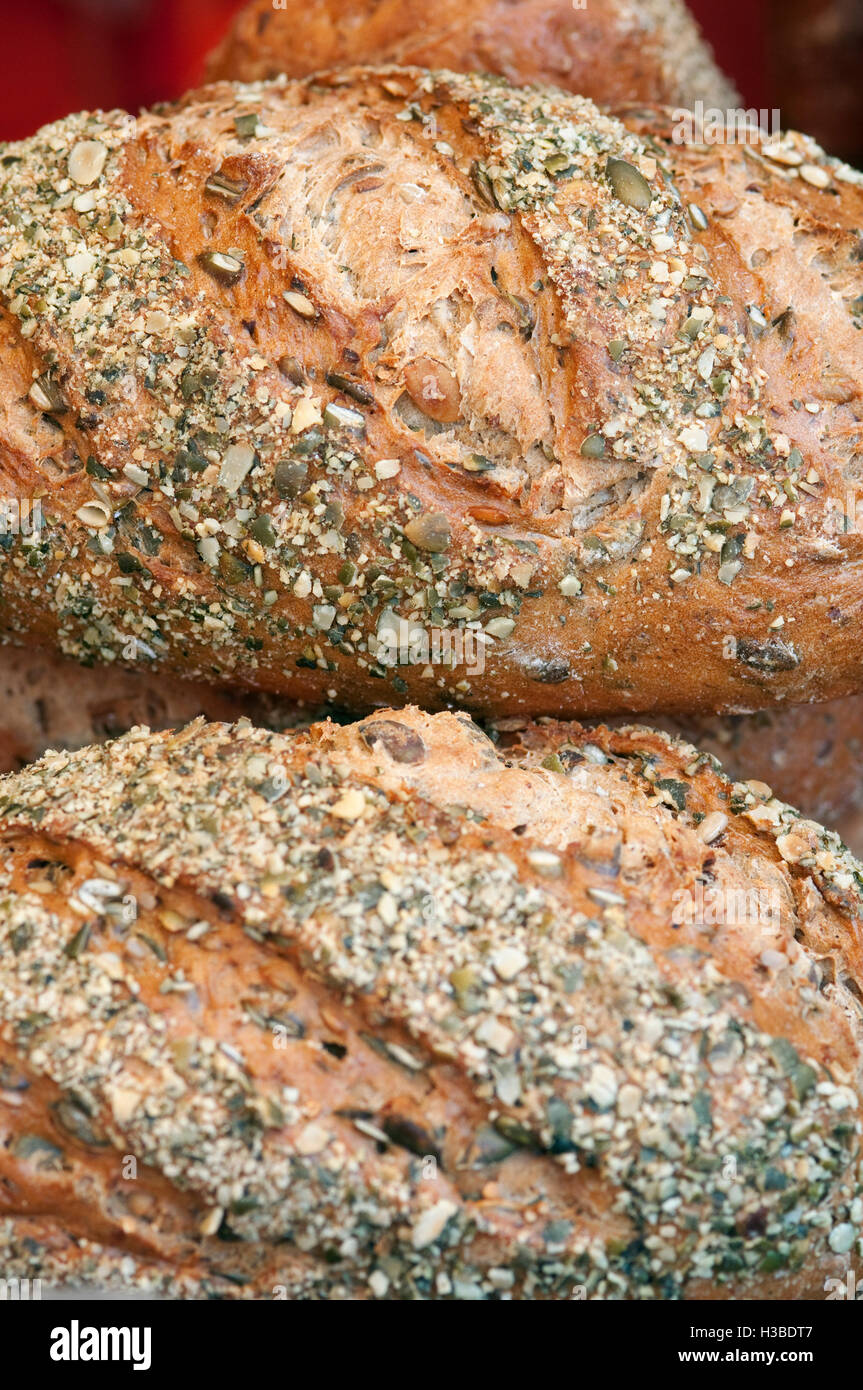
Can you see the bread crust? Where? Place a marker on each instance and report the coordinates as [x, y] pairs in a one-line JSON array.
[[380, 1012], [637, 507], [811, 755], [609, 50]]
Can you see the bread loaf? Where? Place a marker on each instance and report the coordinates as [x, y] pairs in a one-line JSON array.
[[810, 755], [310, 379], [610, 50], [374, 1011]]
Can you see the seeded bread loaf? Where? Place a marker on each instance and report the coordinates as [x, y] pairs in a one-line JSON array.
[[308, 378], [373, 1011], [810, 755], [609, 50]]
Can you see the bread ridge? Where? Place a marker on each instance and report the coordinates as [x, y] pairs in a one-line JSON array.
[[588, 519], [503, 1071]]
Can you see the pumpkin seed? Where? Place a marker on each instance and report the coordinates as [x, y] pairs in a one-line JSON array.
[[629, 184], [74, 1121], [247, 124], [232, 569], [430, 532], [79, 941], [698, 218], [515, 1133], [262, 530], [218, 185], [556, 163], [290, 477], [593, 446], [483, 185], [524, 313], [33, 1145], [224, 268]]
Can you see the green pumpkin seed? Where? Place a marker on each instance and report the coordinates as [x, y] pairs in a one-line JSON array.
[[629, 184], [232, 569], [483, 185], [262, 530], [290, 477], [430, 532], [218, 185], [593, 446]]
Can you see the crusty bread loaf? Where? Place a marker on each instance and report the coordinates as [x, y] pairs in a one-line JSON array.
[[374, 1011], [814, 57], [609, 50], [810, 755], [311, 376]]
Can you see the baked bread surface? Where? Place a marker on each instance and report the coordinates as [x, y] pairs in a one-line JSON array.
[[609, 50], [314, 379], [378, 1011]]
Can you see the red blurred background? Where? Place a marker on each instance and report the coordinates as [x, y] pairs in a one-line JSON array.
[[803, 56]]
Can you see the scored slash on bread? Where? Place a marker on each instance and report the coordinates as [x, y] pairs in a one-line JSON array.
[[396, 1013]]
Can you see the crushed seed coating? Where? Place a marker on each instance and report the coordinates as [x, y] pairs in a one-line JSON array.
[[366, 1031]]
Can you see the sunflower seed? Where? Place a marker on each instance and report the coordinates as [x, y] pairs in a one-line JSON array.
[[300, 304], [47, 396]]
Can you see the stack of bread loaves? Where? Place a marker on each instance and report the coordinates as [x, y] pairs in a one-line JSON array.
[[404, 392]]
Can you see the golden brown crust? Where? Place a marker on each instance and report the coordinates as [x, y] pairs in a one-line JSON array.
[[609, 50], [408, 1016], [584, 444]]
